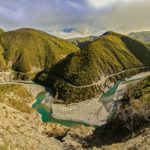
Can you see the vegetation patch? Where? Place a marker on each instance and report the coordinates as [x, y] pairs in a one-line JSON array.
[[30, 50], [16, 96]]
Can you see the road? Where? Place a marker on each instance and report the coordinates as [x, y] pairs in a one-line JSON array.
[[18, 81], [82, 86], [9, 72], [105, 78]]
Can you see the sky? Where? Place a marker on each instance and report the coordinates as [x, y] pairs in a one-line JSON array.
[[76, 18]]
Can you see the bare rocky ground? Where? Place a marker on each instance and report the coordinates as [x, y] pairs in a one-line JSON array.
[[91, 112], [22, 129], [25, 131]]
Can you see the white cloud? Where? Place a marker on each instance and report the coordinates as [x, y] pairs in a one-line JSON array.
[[74, 4], [86, 16], [100, 3]]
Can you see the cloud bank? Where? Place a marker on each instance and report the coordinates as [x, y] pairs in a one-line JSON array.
[[75, 18]]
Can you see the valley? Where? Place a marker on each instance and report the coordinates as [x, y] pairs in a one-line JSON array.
[[91, 112], [62, 95], [26, 124], [74, 75]]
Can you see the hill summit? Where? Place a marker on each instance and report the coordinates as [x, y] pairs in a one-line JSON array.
[[28, 50], [76, 77]]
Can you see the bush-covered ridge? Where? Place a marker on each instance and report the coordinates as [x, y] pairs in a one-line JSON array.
[[109, 54], [28, 50], [138, 93], [135, 110]]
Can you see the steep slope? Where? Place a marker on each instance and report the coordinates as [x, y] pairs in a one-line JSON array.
[[75, 77], [142, 36], [82, 42], [20, 126], [29, 50]]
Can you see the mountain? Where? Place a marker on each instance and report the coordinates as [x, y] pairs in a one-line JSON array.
[[142, 36], [74, 78], [82, 42], [29, 50]]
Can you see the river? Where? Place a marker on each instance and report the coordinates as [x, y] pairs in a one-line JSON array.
[[107, 99], [46, 115]]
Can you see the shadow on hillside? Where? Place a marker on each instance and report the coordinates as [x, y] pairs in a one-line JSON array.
[[111, 133], [107, 135]]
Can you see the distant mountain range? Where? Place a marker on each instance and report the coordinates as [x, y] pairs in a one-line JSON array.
[[81, 42], [142, 36], [71, 69]]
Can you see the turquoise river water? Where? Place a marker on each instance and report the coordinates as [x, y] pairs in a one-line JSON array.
[[47, 117]]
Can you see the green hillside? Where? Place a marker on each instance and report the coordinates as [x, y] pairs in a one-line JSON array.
[[142, 36], [19, 101], [109, 54], [29, 50], [82, 42], [140, 91]]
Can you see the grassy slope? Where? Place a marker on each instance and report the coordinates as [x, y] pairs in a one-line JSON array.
[[142, 36], [139, 93], [16, 96], [26, 49], [109, 54]]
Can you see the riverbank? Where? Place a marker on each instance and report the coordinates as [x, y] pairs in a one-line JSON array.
[[93, 111], [123, 85]]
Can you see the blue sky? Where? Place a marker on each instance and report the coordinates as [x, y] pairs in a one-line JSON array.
[[75, 18]]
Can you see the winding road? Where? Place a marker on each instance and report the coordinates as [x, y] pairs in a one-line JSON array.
[[82, 86], [17, 81], [105, 78]]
